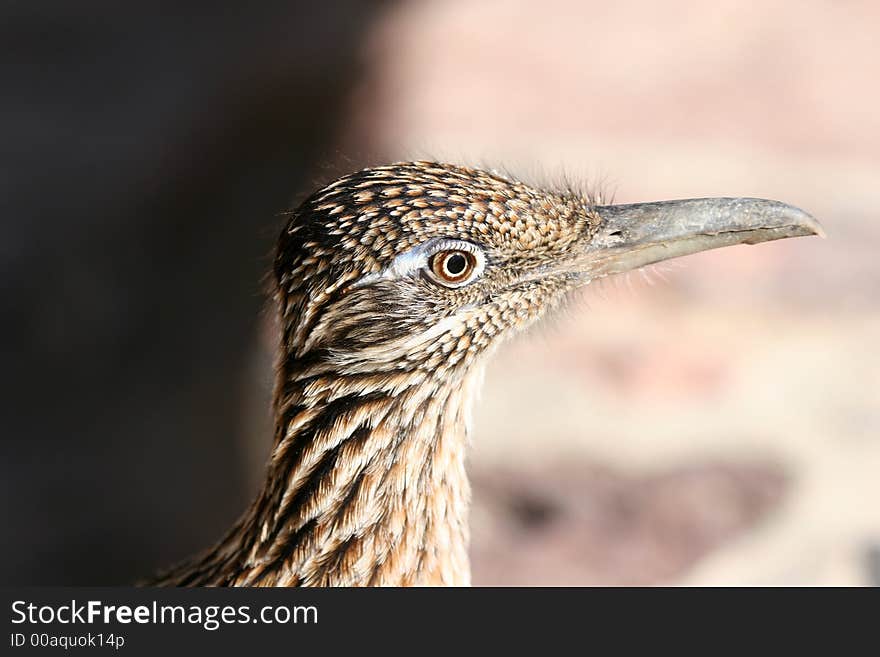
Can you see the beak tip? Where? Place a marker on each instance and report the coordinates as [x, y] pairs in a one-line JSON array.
[[810, 224], [791, 221]]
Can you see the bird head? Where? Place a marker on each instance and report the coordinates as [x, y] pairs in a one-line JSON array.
[[423, 267]]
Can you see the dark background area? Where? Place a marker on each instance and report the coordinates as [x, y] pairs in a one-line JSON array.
[[147, 149]]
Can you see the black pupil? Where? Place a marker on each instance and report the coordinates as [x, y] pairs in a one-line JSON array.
[[456, 264]]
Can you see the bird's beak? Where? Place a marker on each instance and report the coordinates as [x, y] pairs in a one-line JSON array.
[[632, 236]]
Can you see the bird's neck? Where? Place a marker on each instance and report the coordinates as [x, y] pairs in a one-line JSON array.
[[363, 488]]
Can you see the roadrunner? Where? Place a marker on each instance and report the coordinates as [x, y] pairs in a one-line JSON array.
[[393, 285]]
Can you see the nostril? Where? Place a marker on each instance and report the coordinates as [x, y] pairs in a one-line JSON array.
[[615, 233]]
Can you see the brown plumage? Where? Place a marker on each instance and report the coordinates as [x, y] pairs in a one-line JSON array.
[[392, 285]]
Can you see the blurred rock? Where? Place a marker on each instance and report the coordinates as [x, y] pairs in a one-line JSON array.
[[575, 523]]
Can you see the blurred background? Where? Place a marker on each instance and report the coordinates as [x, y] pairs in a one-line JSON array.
[[716, 424]]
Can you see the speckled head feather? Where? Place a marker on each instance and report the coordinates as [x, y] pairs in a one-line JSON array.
[[356, 228], [393, 284]]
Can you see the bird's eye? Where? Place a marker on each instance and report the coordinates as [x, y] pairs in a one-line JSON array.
[[453, 267]]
